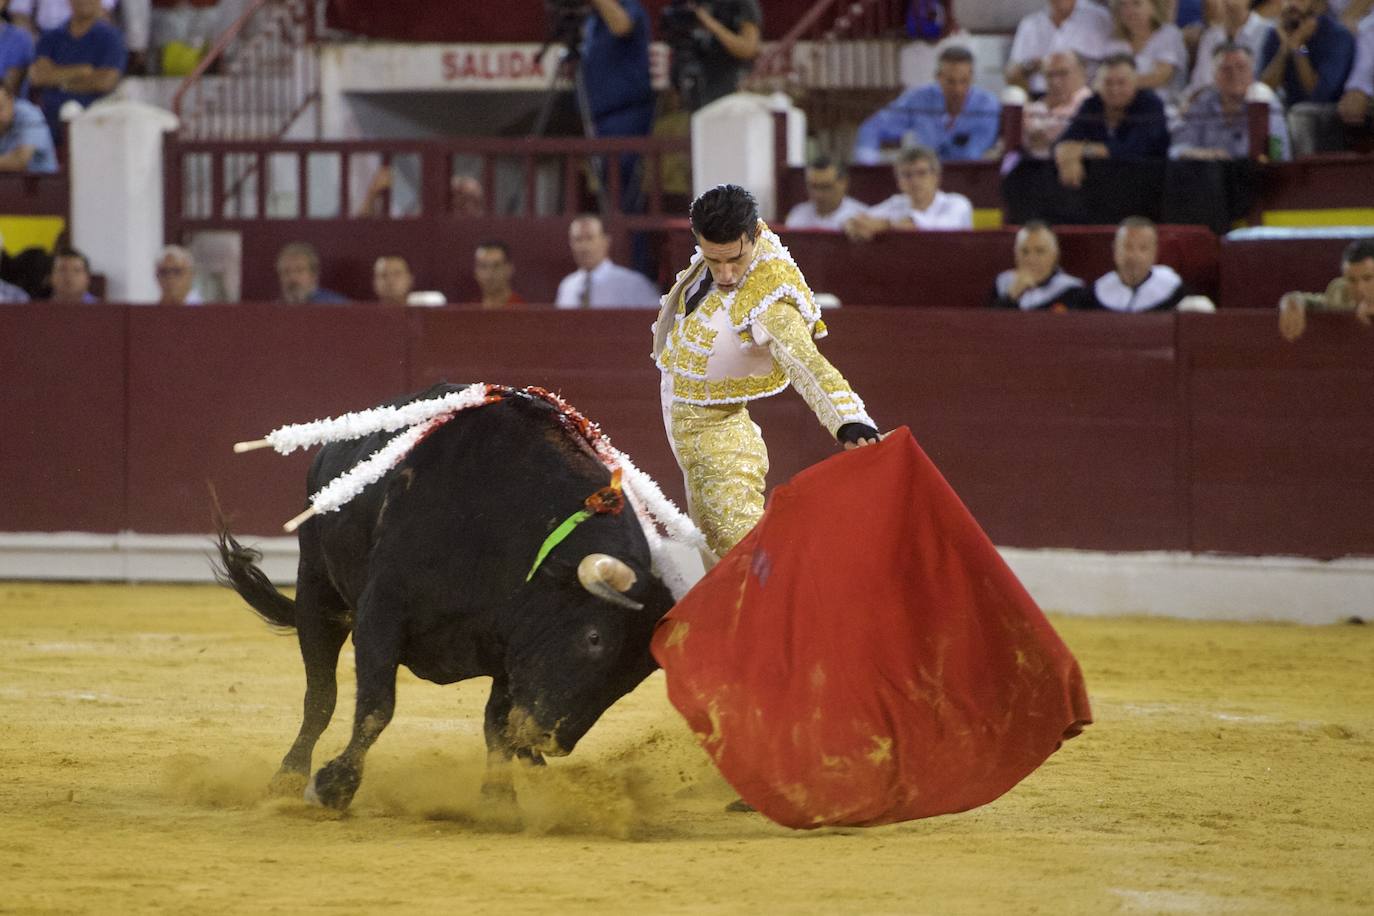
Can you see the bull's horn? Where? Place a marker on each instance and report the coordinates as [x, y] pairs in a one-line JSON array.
[[606, 577]]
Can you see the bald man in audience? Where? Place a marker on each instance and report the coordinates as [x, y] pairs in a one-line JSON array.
[[176, 277], [1138, 284], [1037, 281]]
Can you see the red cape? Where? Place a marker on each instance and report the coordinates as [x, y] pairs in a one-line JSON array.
[[865, 655]]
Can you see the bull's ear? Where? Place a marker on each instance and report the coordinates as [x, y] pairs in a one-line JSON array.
[[608, 578]]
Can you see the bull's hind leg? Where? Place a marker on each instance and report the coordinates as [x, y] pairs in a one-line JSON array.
[[377, 650], [322, 626], [496, 784]]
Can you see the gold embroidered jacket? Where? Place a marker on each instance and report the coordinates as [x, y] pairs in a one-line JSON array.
[[753, 341]]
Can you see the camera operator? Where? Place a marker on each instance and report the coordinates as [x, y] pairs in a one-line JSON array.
[[615, 68], [615, 75], [724, 39]]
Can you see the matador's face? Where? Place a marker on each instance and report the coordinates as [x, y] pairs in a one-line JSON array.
[[728, 261]]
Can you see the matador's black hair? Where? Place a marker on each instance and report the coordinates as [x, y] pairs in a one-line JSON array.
[[724, 213]]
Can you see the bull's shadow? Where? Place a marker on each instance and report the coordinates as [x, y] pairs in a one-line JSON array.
[[429, 567]]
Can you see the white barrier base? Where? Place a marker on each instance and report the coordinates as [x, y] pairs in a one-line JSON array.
[[1201, 587], [130, 557]]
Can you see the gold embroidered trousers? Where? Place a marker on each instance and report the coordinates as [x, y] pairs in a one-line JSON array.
[[724, 463]]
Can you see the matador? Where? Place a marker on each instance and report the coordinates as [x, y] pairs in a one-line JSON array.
[[740, 324]]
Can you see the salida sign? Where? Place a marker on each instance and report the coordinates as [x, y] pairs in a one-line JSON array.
[[491, 64]]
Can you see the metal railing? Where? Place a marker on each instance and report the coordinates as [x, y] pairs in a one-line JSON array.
[[260, 76], [219, 182]]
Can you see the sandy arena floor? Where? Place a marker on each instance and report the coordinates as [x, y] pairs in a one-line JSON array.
[[1231, 770]]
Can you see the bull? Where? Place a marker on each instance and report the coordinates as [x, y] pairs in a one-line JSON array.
[[430, 567]]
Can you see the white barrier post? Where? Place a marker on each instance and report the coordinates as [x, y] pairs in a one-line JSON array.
[[733, 142], [116, 193]]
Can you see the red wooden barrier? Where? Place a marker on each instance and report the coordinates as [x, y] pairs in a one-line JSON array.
[[1255, 273], [957, 269], [62, 423], [1087, 430]]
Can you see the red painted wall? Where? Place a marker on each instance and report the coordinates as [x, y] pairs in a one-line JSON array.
[[1096, 431]]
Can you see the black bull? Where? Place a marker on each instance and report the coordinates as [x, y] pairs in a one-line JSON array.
[[427, 568]]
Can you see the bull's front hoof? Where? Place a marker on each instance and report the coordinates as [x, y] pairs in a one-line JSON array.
[[288, 784], [498, 792], [333, 785]]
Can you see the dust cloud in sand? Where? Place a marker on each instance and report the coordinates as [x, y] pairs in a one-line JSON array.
[[1231, 769]]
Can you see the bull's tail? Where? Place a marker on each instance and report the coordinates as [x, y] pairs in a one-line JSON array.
[[238, 569]]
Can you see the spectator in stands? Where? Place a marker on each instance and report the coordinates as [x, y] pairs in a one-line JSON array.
[[16, 55], [1044, 120], [1120, 121], [39, 16], [1080, 26], [176, 277], [1306, 58], [710, 55], [179, 31], [25, 143], [1354, 108], [466, 197], [1352, 291], [1037, 281], [298, 272], [920, 204], [83, 60], [1138, 284], [70, 279], [827, 205], [1216, 125], [597, 282], [1238, 24], [951, 115], [615, 73], [1143, 30], [392, 280], [493, 269]]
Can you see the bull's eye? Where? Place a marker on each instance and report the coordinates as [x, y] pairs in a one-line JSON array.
[[593, 638]]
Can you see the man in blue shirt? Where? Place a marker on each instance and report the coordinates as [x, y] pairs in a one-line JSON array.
[[16, 56], [951, 116], [1119, 121], [615, 74], [615, 68], [25, 144], [1307, 57], [298, 272], [82, 60]]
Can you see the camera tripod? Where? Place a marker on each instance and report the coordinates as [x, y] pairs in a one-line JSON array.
[[567, 74]]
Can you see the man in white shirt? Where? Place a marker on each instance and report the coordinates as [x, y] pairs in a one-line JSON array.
[[1043, 120], [176, 277], [827, 206], [598, 283], [920, 205], [1138, 284], [1063, 25], [1239, 24]]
